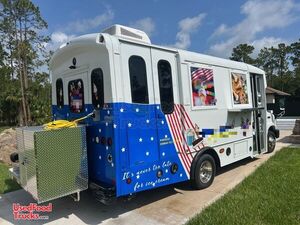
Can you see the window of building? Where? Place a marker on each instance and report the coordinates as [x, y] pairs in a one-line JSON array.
[[138, 80], [76, 96], [203, 88], [165, 86], [59, 93], [97, 88]]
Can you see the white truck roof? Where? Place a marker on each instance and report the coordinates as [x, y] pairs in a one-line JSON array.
[[129, 34]]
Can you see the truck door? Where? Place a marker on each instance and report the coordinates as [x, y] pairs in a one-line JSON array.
[[166, 92], [140, 119], [259, 113]]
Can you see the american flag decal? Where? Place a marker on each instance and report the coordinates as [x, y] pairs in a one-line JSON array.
[[179, 122], [203, 74]]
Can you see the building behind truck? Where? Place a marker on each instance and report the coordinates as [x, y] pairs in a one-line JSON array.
[[160, 115]]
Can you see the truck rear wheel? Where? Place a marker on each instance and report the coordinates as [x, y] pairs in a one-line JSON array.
[[205, 172]]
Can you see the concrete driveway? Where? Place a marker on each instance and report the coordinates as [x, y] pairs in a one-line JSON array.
[[173, 204]]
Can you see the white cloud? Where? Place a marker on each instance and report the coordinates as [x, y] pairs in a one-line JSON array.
[[85, 25], [60, 37], [186, 27], [260, 15], [146, 24], [266, 42], [222, 29]]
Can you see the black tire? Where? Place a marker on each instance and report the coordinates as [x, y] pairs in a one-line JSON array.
[[204, 179], [271, 141], [14, 157]]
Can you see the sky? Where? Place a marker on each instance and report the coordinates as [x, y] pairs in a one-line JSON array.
[[211, 27]]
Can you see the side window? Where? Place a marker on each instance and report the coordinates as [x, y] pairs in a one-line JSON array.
[[59, 93], [203, 87], [165, 86], [97, 88], [138, 80], [239, 88], [76, 96]]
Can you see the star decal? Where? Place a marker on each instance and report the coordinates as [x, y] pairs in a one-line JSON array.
[[141, 140], [121, 110], [123, 149], [129, 124], [115, 125]]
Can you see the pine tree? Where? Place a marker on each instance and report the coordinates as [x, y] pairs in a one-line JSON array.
[[19, 26]]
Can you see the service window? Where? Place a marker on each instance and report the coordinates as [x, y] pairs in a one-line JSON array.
[[76, 95], [165, 86], [203, 88], [97, 88], [239, 88], [138, 80], [59, 93]]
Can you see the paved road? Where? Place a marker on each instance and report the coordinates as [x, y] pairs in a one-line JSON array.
[[174, 204]]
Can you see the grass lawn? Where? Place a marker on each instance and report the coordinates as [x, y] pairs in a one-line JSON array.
[[6, 183], [271, 195]]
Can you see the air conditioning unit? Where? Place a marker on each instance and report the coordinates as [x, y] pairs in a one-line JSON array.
[[128, 33]]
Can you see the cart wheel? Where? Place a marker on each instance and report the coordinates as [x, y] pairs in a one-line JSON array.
[[271, 141], [205, 172], [14, 157]]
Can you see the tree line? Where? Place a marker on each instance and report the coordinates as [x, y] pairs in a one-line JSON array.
[[25, 90], [25, 85], [281, 64]]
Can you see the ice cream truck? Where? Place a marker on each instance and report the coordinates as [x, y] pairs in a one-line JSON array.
[[160, 115]]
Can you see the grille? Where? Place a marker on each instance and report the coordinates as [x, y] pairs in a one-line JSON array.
[[53, 163]]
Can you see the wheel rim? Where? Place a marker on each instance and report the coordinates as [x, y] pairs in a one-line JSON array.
[[206, 171], [271, 142]]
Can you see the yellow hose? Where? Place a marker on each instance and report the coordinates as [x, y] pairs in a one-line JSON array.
[[58, 124]]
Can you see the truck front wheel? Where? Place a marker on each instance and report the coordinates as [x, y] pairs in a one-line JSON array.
[[271, 141]]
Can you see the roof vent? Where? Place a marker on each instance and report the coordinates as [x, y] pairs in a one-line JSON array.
[[128, 33]]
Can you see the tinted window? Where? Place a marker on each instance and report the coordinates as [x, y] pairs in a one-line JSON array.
[[97, 88], [59, 93], [165, 86], [76, 96], [138, 80]]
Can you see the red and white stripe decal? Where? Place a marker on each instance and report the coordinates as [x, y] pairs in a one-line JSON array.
[[179, 121]]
